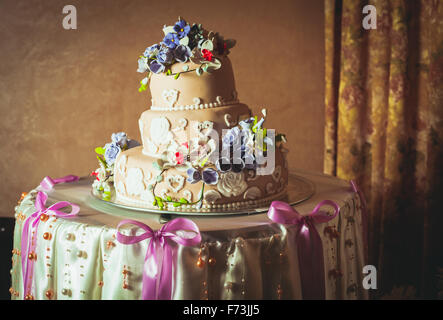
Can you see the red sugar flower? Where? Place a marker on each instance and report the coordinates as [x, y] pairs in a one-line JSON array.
[[95, 174], [207, 54], [179, 157]]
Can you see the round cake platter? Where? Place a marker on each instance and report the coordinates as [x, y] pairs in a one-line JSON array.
[[299, 189]]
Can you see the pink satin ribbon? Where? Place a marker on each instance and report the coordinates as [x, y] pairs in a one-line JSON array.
[[159, 263], [29, 233], [364, 216], [309, 244], [48, 183]]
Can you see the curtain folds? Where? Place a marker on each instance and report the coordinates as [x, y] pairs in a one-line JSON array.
[[384, 129]]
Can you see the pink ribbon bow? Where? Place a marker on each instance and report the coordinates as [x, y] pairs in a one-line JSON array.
[[28, 240], [158, 265], [309, 244], [48, 183], [364, 215]]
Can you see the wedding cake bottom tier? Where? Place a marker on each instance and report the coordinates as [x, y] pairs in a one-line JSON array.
[[138, 181]]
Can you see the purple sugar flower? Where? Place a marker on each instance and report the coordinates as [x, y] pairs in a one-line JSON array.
[[194, 175], [182, 53], [210, 176], [112, 150], [156, 67], [150, 50], [182, 28], [171, 40], [165, 56]]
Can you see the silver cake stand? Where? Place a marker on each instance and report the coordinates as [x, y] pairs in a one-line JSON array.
[[299, 189]]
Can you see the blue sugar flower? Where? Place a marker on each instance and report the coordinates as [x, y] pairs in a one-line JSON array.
[[120, 138], [150, 50], [165, 56], [112, 150], [194, 175], [182, 28], [246, 124], [182, 53], [210, 176], [142, 65], [231, 136], [156, 67], [171, 40]]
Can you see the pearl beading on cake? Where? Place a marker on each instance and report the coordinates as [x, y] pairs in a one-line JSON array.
[[200, 106], [223, 207]]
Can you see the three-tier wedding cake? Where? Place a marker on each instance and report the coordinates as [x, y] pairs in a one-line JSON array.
[[202, 150]]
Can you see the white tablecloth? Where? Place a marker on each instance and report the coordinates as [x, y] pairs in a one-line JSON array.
[[244, 257]]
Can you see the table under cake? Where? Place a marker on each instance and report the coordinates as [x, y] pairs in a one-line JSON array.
[[239, 257]]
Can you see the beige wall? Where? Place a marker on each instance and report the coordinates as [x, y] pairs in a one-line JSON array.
[[63, 92]]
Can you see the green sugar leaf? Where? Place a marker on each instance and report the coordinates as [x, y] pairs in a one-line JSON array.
[[100, 150], [177, 75], [102, 161], [169, 198], [156, 165], [183, 201], [176, 204]]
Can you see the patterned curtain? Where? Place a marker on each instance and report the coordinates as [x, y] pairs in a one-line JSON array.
[[384, 129]]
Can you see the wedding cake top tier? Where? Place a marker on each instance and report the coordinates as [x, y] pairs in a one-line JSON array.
[[188, 70], [191, 91]]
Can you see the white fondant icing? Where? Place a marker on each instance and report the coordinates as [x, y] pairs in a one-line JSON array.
[[121, 165], [134, 182], [164, 193], [170, 96], [187, 194], [121, 188], [231, 184], [175, 182], [220, 100], [182, 123], [147, 195], [159, 131], [228, 121], [142, 131]]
